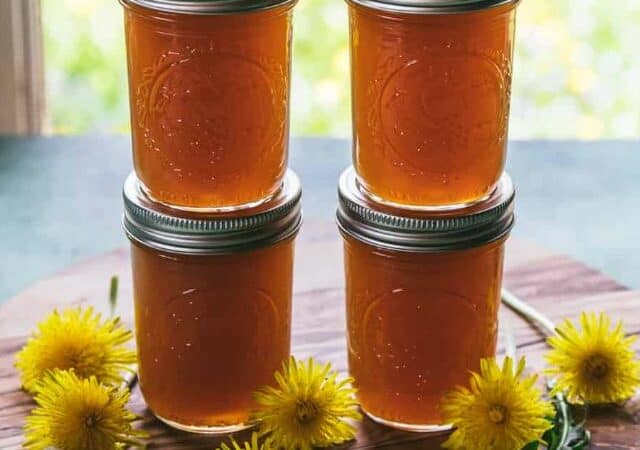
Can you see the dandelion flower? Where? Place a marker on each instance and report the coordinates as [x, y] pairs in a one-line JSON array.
[[76, 339], [501, 410], [594, 364], [250, 445], [79, 414], [308, 408]]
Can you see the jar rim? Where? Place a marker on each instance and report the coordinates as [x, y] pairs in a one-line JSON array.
[[207, 7], [393, 228], [178, 231], [432, 6]]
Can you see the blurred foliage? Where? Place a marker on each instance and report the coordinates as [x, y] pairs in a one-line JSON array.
[[575, 74], [85, 66]]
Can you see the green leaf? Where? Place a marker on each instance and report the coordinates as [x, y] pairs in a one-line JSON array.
[[566, 433]]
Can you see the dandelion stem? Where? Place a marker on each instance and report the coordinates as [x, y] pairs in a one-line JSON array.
[[113, 294], [529, 312], [511, 348], [130, 379]]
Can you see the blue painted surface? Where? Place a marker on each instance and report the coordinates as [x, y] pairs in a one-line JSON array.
[[60, 200]]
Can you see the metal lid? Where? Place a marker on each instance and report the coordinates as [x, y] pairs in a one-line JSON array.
[[432, 6], [207, 7], [176, 231], [413, 231]]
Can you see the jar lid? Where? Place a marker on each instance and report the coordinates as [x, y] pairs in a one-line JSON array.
[[432, 6], [414, 231], [207, 7], [164, 228]]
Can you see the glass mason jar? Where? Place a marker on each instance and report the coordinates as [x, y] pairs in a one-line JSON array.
[[422, 297], [212, 305], [209, 92], [431, 82]]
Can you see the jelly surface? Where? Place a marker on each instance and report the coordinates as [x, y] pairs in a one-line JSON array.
[[417, 324], [210, 330], [430, 97], [209, 104]]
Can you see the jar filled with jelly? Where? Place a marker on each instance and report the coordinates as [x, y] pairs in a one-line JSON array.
[[431, 84], [212, 298], [422, 297], [209, 85]]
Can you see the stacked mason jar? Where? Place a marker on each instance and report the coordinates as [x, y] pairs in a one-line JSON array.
[[427, 208], [211, 209]]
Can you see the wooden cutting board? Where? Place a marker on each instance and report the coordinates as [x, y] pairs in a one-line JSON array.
[[557, 285]]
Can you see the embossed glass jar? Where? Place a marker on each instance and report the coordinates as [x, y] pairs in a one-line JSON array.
[[431, 83], [209, 92], [422, 295], [212, 298]]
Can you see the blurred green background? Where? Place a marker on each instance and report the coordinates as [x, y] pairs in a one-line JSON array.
[[576, 72]]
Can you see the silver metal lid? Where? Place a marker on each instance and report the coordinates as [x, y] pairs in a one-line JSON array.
[[176, 231], [207, 7], [413, 231], [432, 6]]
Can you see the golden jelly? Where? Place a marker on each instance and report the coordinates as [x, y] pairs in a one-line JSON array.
[[422, 299], [212, 301]]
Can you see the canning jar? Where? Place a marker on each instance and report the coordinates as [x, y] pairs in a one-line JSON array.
[[422, 297], [209, 95], [212, 301], [431, 83]]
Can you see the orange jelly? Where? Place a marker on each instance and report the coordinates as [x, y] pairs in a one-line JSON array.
[[430, 96], [209, 93], [213, 307], [422, 301]]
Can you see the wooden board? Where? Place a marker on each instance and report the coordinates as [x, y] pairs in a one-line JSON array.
[[557, 285]]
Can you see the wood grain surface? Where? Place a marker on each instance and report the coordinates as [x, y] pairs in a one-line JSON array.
[[558, 286]]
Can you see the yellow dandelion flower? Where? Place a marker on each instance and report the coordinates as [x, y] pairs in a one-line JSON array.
[[501, 410], [79, 414], [76, 339], [253, 444], [594, 364], [308, 408]]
